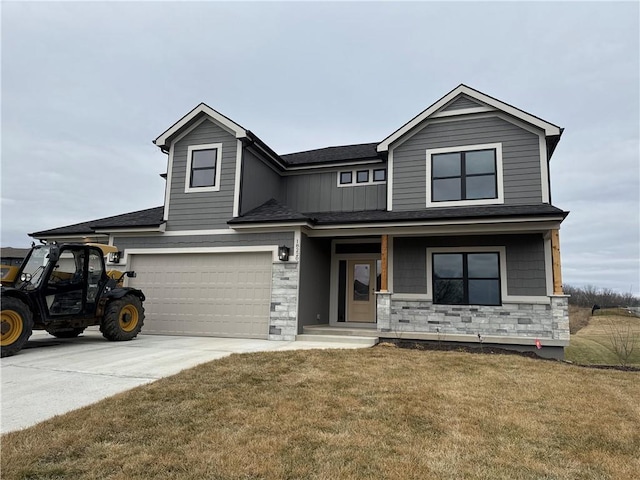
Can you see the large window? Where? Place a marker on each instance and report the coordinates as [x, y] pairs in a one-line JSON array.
[[203, 168], [464, 176], [466, 278]]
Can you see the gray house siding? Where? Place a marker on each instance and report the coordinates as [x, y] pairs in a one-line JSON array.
[[462, 102], [202, 210], [520, 157], [259, 183], [187, 241], [526, 275], [319, 192], [315, 271]]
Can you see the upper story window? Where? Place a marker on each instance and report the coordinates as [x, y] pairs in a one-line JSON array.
[[365, 176], [470, 175], [203, 168]]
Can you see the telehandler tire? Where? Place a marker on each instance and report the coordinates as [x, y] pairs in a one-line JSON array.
[[123, 319], [65, 332], [16, 326]]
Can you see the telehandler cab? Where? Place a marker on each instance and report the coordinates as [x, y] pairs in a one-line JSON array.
[[64, 289]]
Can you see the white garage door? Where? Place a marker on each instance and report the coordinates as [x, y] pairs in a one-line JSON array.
[[218, 294]]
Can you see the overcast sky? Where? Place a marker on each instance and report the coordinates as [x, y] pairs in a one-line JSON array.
[[86, 87]]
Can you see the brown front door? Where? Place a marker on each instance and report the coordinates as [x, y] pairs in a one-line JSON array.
[[361, 297]]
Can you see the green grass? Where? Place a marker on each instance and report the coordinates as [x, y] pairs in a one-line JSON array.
[[382, 413], [592, 344]]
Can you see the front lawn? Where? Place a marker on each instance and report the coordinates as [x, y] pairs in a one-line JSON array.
[[383, 412]]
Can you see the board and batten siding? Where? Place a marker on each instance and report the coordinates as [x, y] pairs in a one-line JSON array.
[[319, 192], [191, 241], [202, 210], [259, 183], [520, 159], [525, 261]]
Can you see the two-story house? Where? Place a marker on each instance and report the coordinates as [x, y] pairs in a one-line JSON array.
[[442, 231]]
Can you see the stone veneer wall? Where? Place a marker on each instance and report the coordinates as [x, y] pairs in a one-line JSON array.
[[283, 319], [526, 320]]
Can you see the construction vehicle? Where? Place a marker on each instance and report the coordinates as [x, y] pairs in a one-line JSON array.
[[64, 289]]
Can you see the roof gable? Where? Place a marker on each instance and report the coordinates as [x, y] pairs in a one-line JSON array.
[[225, 122], [471, 95]]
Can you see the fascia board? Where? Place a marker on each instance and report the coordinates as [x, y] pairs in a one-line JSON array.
[[69, 236], [263, 226], [207, 110], [528, 226], [549, 128], [160, 228]]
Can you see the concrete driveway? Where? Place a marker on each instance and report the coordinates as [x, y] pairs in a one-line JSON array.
[[53, 376]]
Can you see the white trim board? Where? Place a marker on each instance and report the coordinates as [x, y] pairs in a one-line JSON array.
[[548, 128], [220, 119], [237, 182], [273, 249]]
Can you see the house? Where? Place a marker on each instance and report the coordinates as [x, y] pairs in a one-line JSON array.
[[444, 230], [13, 256]]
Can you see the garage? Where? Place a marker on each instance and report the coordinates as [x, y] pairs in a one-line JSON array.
[[212, 294]]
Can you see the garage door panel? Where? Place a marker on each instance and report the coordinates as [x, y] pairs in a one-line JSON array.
[[205, 294]]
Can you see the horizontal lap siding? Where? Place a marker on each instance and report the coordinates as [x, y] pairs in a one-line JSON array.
[[319, 192], [525, 261], [206, 210], [461, 102], [520, 157]]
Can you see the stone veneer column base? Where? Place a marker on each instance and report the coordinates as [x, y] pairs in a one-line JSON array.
[[383, 311], [283, 319]]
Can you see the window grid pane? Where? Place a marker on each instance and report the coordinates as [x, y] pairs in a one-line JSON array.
[[203, 158], [379, 175], [469, 175], [466, 278], [204, 177], [362, 176]]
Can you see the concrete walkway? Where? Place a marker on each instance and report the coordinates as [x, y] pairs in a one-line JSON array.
[[53, 376]]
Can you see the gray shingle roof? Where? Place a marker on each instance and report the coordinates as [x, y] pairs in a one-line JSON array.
[[363, 151], [151, 217], [273, 212]]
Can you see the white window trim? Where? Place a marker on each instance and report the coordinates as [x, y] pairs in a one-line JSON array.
[[502, 253], [354, 174], [216, 185], [466, 148]]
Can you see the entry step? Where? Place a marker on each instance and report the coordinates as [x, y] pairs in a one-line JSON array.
[[306, 337]]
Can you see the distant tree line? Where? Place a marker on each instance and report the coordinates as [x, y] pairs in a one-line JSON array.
[[589, 295]]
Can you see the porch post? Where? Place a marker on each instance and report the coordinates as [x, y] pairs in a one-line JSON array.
[[384, 284], [555, 257]]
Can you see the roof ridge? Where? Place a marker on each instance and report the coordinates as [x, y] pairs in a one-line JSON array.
[[331, 146]]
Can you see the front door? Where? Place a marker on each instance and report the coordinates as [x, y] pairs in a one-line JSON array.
[[361, 285]]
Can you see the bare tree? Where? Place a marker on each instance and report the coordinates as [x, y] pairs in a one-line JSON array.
[[623, 340]]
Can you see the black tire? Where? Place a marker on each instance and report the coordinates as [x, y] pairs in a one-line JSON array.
[[16, 326], [65, 332], [123, 319]]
